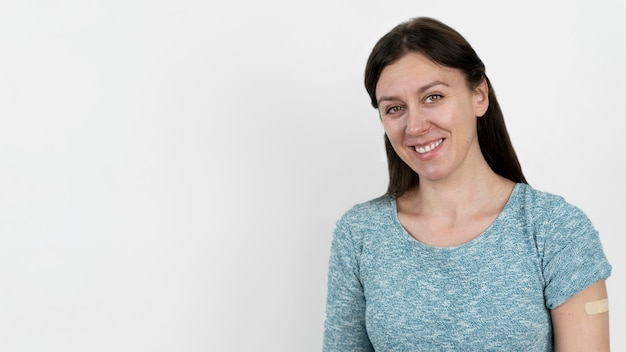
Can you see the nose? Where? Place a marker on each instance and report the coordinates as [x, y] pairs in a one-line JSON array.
[[417, 122]]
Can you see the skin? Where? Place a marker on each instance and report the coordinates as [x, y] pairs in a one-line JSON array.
[[574, 329], [422, 104]]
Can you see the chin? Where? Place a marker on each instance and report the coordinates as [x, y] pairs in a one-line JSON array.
[[432, 176]]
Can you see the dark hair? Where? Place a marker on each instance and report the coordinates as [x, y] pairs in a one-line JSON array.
[[447, 47]]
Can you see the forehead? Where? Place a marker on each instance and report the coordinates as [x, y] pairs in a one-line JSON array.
[[414, 70]]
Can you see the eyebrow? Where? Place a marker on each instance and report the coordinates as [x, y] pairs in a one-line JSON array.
[[421, 89]]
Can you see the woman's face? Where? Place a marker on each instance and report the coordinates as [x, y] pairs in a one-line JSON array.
[[429, 115]]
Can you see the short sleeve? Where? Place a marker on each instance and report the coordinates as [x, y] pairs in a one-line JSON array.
[[573, 255], [344, 328]]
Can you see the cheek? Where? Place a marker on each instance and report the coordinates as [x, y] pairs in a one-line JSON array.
[[394, 132], [461, 116], [393, 125]]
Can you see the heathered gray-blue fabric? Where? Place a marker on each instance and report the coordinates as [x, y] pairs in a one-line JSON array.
[[389, 292]]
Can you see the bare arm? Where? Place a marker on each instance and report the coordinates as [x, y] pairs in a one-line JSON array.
[[580, 328]]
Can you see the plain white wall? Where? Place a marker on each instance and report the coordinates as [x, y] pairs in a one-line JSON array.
[[171, 171]]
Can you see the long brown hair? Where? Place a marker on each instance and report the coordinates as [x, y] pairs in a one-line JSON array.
[[447, 47]]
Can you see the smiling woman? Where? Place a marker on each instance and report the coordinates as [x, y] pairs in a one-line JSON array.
[[427, 110], [460, 253]]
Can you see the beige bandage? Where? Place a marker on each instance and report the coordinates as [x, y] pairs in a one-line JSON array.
[[597, 307]]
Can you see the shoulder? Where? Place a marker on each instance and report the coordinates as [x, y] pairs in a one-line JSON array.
[[552, 222], [547, 207], [568, 245], [368, 213], [358, 223], [365, 219], [538, 198]]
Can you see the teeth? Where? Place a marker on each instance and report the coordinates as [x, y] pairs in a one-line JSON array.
[[428, 148]]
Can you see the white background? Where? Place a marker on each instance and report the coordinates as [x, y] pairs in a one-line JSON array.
[[171, 171]]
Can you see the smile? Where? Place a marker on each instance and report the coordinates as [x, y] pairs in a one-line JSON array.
[[427, 148]]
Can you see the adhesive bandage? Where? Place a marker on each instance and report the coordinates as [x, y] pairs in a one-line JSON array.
[[597, 307]]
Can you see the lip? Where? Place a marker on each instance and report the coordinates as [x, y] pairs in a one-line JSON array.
[[429, 150]]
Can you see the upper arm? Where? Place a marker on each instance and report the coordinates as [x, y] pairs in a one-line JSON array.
[[345, 328], [575, 329]]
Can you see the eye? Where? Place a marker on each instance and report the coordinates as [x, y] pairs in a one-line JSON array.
[[433, 98], [393, 109]]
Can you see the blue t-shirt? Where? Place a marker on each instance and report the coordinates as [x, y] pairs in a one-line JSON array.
[[389, 292]]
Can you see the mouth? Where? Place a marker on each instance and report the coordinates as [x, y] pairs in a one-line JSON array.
[[427, 148]]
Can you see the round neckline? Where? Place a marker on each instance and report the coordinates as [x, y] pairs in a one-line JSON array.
[[474, 241]]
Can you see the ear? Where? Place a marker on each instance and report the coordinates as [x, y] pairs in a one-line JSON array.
[[481, 98]]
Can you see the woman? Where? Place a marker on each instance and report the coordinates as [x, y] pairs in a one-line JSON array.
[[461, 253]]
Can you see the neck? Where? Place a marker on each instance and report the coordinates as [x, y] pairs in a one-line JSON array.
[[461, 196]]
